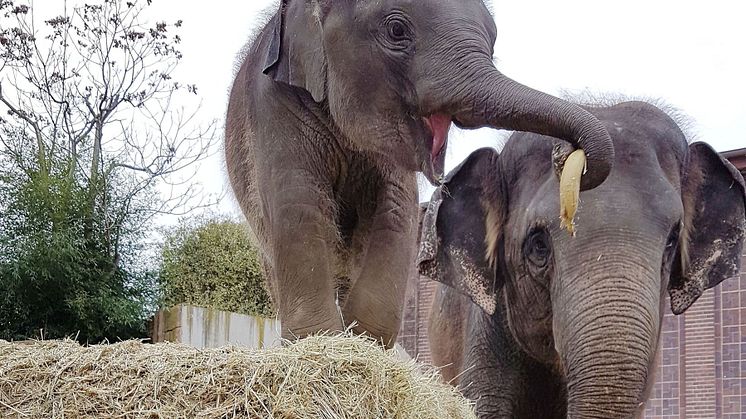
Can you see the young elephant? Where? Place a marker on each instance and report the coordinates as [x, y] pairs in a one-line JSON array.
[[337, 104], [558, 326]]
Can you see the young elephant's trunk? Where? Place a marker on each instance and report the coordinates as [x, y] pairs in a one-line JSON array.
[[606, 324], [494, 100]]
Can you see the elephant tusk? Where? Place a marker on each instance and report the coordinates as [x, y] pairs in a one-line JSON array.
[[572, 171]]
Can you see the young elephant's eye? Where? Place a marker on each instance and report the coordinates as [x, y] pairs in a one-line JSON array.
[[537, 247], [398, 31]]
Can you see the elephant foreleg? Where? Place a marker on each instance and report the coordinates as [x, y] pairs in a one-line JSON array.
[[375, 301], [303, 247]]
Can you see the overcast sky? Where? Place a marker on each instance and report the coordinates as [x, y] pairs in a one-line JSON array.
[[688, 53]]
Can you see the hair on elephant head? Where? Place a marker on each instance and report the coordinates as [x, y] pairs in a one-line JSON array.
[[585, 311], [335, 107]]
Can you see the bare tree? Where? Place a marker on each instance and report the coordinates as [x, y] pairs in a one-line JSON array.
[[94, 143], [95, 85]]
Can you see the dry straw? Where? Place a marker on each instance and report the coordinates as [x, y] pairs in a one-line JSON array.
[[317, 377]]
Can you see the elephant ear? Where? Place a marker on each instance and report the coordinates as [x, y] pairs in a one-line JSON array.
[[453, 246], [294, 53], [710, 250]]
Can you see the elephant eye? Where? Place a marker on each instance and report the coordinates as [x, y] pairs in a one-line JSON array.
[[398, 31], [537, 248]]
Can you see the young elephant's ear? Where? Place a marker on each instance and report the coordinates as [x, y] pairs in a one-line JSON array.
[[454, 243], [294, 52], [711, 244]]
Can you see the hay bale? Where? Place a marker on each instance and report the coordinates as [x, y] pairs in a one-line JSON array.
[[318, 377]]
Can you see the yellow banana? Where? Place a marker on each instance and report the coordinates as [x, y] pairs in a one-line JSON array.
[[570, 189]]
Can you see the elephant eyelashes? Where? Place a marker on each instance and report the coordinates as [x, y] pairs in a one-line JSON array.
[[537, 248], [672, 244], [673, 236]]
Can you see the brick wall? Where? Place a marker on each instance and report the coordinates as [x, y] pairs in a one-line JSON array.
[[701, 371], [413, 334], [408, 333], [418, 300]]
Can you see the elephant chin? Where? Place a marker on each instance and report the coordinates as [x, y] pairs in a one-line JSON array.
[[433, 168], [433, 155]]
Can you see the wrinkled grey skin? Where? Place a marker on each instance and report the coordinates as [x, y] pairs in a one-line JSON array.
[[562, 326], [325, 131]]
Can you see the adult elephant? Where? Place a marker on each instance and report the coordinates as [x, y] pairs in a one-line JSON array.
[[558, 326], [335, 107]]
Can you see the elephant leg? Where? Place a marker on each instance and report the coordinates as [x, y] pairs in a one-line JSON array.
[[303, 243], [375, 301]]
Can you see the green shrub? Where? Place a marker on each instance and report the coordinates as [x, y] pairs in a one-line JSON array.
[[212, 263], [63, 271]]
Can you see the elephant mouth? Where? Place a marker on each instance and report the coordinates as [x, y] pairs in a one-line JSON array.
[[438, 125]]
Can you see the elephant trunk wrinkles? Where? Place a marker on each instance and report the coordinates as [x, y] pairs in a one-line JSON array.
[[607, 339], [500, 102]]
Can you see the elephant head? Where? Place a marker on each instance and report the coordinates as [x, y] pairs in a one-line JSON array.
[[670, 217], [395, 74]]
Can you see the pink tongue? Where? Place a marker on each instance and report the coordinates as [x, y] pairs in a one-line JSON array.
[[439, 125]]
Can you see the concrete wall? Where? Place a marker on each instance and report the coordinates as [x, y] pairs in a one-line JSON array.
[[208, 328], [204, 327]]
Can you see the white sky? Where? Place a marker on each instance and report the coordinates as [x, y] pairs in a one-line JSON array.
[[689, 53]]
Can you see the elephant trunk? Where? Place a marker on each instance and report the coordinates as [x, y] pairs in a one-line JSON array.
[[497, 101], [606, 323]]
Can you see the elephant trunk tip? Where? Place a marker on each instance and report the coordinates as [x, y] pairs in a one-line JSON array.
[[500, 102], [599, 151]]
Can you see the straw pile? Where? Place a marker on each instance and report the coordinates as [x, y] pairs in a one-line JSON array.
[[317, 377]]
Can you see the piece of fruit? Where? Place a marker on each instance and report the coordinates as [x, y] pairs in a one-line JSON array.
[[570, 189]]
